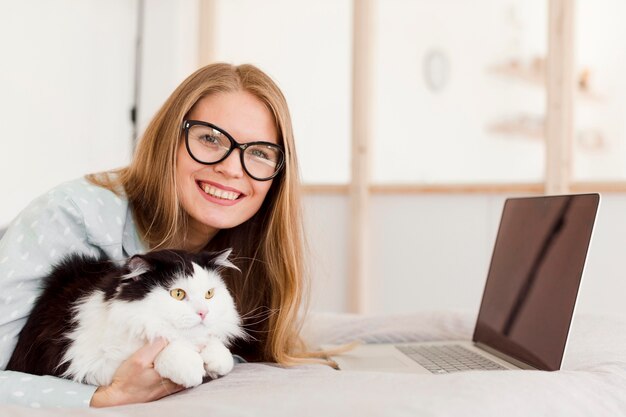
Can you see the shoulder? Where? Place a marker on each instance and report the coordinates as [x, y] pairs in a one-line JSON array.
[[100, 212], [83, 194], [80, 198]]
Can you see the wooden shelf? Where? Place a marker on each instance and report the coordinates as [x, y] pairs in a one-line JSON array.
[[520, 126], [534, 74]]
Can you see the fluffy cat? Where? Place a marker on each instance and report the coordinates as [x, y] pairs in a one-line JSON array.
[[93, 314]]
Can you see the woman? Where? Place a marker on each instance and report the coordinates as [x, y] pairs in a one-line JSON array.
[[216, 168]]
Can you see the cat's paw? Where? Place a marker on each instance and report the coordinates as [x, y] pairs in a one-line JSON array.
[[181, 365], [218, 360]]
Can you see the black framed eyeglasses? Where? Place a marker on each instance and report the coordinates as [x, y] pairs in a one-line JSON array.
[[209, 144]]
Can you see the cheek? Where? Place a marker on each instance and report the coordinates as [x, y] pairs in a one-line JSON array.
[[255, 203], [177, 312], [261, 189]]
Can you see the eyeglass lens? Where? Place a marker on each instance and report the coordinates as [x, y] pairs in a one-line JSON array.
[[210, 145]]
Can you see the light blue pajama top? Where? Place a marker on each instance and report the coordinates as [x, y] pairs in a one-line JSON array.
[[75, 217]]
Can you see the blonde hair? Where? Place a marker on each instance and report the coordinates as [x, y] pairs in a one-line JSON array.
[[268, 247]]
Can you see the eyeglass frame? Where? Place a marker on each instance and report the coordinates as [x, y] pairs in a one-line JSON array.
[[187, 124]]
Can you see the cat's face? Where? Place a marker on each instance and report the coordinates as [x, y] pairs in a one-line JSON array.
[[191, 300], [181, 289]]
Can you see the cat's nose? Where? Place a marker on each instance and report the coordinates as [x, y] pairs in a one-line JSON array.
[[202, 313]]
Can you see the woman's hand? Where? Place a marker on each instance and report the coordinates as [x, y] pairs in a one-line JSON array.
[[136, 381]]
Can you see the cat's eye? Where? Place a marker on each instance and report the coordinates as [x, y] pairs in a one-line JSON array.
[[178, 294], [210, 293]]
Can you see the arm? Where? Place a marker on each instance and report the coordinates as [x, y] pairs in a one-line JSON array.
[[135, 381], [44, 232], [42, 391]]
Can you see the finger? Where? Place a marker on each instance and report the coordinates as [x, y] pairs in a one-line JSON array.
[[148, 352]]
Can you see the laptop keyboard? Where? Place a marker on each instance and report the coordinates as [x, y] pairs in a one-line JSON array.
[[441, 359]]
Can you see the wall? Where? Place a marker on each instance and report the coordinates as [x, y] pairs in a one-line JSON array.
[[66, 97], [66, 77], [169, 52], [441, 131], [600, 148]]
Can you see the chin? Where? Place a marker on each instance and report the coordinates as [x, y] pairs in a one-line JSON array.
[[221, 224]]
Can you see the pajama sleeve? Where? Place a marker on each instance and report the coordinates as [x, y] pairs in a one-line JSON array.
[[50, 228]]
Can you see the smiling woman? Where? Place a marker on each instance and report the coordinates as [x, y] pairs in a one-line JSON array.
[[179, 202], [215, 169]]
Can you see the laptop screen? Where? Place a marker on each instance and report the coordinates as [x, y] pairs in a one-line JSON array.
[[533, 280]]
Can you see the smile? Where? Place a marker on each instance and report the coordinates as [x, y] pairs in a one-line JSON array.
[[219, 193]]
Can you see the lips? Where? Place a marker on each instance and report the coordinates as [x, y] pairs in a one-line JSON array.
[[222, 193]]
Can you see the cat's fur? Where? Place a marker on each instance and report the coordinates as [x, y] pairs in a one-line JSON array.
[[93, 314]]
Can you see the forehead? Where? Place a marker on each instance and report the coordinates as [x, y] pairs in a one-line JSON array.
[[240, 113], [200, 279]]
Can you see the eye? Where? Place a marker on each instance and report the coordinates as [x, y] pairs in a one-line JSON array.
[[178, 294], [263, 154], [210, 293], [210, 139], [258, 153]]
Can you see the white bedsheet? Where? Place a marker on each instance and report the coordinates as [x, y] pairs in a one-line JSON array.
[[592, 382]]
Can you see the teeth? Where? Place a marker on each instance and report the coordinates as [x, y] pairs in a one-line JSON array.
[[216, 192]]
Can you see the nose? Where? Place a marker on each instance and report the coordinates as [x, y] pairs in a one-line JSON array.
[[231, 166], [202, 313]]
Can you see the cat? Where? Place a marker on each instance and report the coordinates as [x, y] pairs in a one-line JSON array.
[[93, 314]]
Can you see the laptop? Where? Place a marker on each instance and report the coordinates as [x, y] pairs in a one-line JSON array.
[[528, 301]]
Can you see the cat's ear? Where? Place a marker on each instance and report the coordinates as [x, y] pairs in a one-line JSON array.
[[221, 259], [137, 266]]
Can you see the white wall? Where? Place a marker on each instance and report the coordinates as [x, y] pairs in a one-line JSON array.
[[67, 76], [66, 73], [442, 135], [326, 220], [601, 51], [169, 52]]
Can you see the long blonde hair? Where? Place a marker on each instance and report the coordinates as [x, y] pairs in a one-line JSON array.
[[268, 247]]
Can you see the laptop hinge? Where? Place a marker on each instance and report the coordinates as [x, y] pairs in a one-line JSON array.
[[504, 356]]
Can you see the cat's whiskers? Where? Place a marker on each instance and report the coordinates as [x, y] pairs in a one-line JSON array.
[[253, 313], [256, 319], [249, 336], [251, 327]]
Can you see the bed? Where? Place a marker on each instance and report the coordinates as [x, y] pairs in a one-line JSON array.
[[592, 381]]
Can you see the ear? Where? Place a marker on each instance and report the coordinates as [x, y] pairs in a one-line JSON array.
[[221, 259], [138, 266]]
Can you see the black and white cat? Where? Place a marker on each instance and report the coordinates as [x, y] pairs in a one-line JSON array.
[[93, 314]]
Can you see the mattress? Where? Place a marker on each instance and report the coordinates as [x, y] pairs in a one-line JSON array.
[[592, 380]]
